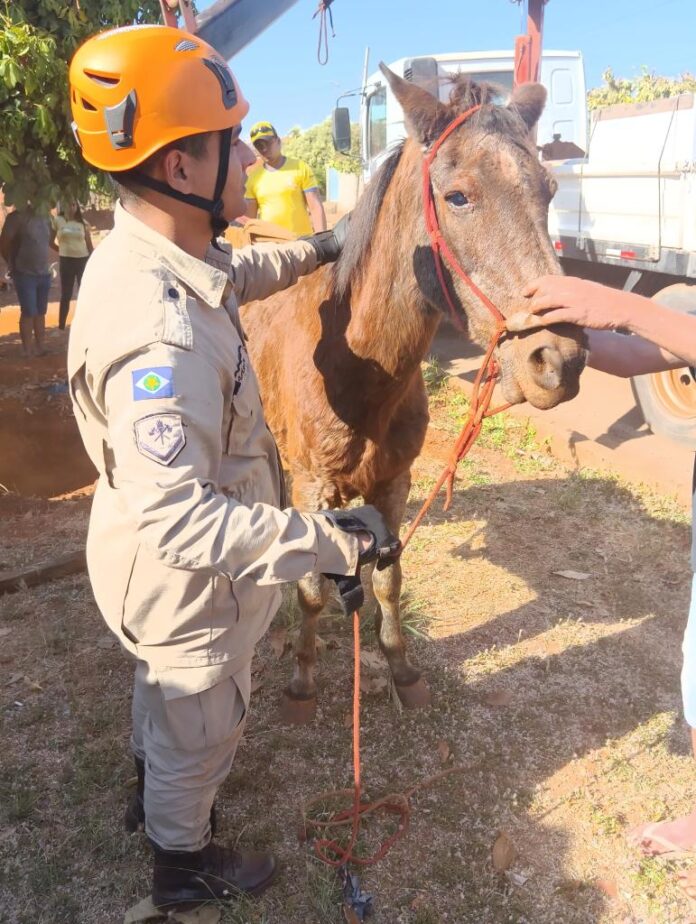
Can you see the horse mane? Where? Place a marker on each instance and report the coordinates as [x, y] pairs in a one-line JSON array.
[[362, 223], [464, 94]]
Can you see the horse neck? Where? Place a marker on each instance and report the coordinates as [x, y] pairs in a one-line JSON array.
[[391, 322]]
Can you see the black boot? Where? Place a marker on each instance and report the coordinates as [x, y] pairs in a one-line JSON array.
[[184, 880], [134, 818]]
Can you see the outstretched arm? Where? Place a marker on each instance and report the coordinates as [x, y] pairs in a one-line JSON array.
[[625, 356], [666, 339], [263, 269]]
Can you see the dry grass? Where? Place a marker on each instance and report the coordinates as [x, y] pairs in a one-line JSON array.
[[560, 696]]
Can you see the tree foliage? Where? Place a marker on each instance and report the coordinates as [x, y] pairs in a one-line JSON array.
[[39, 158], [315, 147], [647, 86]]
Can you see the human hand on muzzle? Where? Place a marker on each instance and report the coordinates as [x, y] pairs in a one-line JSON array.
[[378, 544]]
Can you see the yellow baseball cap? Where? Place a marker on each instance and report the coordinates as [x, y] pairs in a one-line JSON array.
[[262, 130]]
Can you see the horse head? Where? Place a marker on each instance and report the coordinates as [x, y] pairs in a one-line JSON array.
[[491, 194]]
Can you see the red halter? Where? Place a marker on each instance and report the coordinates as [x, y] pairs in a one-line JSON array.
[[439, 245], [489, 372]]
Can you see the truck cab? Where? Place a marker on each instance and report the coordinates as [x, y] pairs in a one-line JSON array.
[[562, 73]]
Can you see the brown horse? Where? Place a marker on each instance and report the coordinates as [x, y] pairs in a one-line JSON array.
[[338, 355]]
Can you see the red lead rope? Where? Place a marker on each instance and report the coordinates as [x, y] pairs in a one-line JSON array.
[[330, 850]]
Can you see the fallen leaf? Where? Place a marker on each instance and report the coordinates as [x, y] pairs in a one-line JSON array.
[[503, 853], [142, 912], [13, 678], [374, 684], [517, 879], [498, 698], [372, 660], [6, 630], [348, 720], [350, 915], [443, 749], [608, 886], [573, 575], [279, 641], [33, 684]]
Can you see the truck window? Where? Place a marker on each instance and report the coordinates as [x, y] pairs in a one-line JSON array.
[[502, 79], [377, 122]]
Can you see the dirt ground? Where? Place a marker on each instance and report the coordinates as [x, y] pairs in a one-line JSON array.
[[559, 696], [36, 421]]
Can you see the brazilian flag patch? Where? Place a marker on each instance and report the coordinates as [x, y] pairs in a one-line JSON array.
[[155, 382]]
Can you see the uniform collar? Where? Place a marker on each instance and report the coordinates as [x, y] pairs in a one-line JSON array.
[[207, 280]]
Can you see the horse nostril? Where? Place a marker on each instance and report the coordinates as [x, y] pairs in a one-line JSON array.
[[546, 366]]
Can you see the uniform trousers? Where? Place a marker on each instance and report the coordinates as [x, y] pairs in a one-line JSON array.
[[188, 744]]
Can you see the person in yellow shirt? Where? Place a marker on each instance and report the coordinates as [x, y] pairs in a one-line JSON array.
[[282, 189]]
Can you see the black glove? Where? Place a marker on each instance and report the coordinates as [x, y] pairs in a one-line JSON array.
[[329, 244], [385, 549]]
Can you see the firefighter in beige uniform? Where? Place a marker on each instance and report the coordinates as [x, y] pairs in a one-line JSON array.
[[187, 542]]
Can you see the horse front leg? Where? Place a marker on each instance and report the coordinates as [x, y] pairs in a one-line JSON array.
[[390, 499], [299, 703]]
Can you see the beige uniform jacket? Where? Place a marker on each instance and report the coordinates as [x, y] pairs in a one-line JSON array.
[[186, 542]]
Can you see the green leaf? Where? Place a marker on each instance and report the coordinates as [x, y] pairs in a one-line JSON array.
[[11, 74], [5, 168]]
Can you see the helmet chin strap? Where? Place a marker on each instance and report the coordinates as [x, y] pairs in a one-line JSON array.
[[215, 205]]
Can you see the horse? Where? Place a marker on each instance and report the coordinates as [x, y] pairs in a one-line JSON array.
[[338, 355]]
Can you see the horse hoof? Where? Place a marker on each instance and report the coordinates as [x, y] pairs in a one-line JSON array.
[[294, 711], [414, 695]]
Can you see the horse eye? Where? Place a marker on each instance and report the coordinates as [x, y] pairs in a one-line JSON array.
[[457, 199]]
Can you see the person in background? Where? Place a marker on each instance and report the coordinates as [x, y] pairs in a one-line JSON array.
[[282, 189], [74, 245], [24, 243]]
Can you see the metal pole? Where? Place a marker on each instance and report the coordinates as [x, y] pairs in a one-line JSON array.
[[528, 47], [230, 25]]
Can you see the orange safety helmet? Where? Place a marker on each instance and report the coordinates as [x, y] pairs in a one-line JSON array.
[[135, 89]]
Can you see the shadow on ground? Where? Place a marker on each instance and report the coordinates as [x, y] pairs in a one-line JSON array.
[[582, 663]]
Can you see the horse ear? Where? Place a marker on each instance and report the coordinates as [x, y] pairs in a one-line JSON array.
[[423, 114], [528, 101]]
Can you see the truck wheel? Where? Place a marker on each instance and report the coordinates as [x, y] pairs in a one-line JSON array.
[[667, 400]]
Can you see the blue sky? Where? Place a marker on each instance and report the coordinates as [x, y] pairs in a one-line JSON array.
[[284, 83]]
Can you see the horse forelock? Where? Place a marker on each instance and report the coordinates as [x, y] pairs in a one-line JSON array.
[[464, 94], [492, 117]]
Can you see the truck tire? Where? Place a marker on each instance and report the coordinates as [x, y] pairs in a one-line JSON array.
[[667, 400]]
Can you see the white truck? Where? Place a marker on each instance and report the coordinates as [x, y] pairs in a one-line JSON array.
[[625, 210]]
